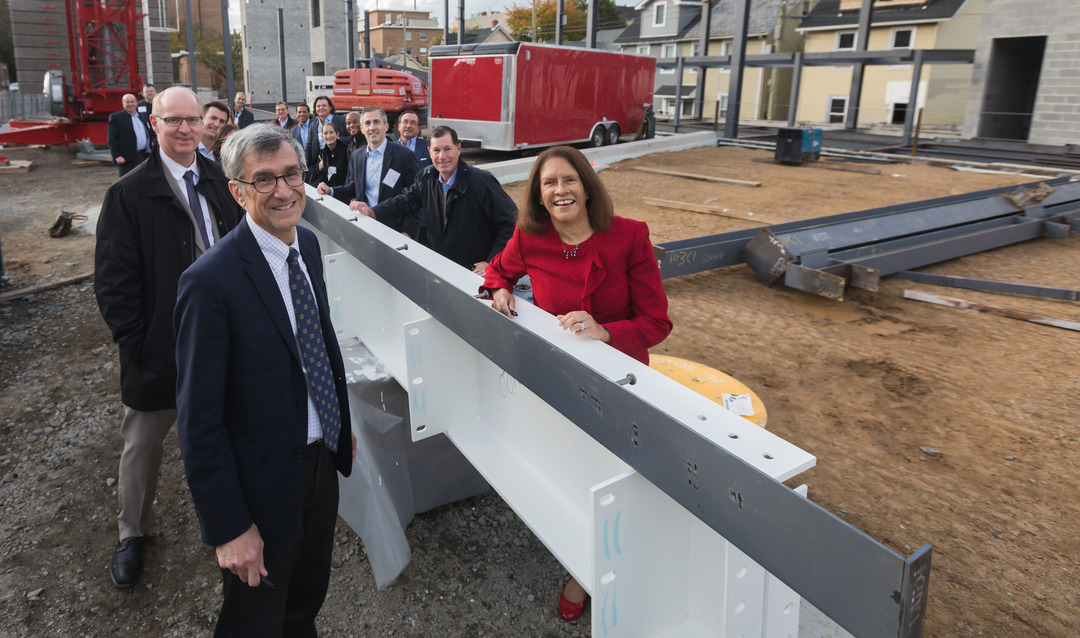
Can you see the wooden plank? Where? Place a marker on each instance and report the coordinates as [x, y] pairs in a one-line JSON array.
[[715, 210], [17, 166], [847, 167], [829, 165], [22, 292], [702, 178], [82, 163], [954, 302]]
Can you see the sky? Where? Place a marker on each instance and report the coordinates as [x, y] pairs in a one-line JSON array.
[[472, 7]]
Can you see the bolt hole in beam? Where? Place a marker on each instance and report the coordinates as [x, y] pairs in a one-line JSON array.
[[768, 456], [733, 436], [607, 500], [701, 417], [607, 578], [421, 428]]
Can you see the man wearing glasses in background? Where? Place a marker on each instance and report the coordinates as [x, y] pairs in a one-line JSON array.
[[155, 222]]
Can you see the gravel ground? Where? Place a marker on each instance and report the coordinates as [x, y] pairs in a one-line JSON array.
[[476, 570]]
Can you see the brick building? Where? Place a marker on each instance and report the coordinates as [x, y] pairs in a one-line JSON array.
[[389, 36]]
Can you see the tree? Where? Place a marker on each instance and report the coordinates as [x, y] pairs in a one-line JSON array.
[[209, 54], [519, 19]]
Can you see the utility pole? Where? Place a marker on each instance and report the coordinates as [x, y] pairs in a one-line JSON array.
[[191, 48], [226, 36], [560, 17], [534, 22]]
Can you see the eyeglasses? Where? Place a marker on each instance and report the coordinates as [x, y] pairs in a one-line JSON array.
[[266, 184], [175, 121]]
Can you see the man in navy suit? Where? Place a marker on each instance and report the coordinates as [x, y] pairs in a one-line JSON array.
[[409, 136], [303, 124], [263, 413], [408, 125], [379, 172], [127, 135]]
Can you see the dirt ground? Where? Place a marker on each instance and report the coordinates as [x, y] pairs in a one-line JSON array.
[[861, 384]]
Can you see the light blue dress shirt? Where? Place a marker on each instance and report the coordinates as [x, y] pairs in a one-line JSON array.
[[141, 143], [448, 183], [373, 173]]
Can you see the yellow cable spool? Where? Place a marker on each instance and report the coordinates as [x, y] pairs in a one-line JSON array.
[[713, 385]]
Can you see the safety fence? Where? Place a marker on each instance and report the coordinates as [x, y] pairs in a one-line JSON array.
[[15, 105]]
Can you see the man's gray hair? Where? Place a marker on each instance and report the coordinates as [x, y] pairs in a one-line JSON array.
[[372, 109], [259, 142]]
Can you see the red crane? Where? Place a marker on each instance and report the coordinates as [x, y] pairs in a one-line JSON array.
[[104, 51]]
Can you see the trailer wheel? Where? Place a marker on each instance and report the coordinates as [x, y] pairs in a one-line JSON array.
[[613, 134], [599, 135]]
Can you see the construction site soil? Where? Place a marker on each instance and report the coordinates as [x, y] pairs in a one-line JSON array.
[[862, 384]]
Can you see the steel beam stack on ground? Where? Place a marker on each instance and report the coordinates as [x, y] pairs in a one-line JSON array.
[[668, 509], [826, 254]]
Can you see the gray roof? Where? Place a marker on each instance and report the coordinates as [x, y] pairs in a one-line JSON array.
[[764, 15], [668, 90], [472, 36], [827, 13]]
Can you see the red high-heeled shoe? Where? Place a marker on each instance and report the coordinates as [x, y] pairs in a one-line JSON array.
[[569, 611]]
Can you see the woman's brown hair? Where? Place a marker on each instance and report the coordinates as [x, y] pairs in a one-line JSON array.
[[598, 203], [219, 140]]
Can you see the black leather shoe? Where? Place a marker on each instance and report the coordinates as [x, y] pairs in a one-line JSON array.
[[126, 563]]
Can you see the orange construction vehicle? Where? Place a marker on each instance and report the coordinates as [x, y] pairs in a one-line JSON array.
[[392, 91]]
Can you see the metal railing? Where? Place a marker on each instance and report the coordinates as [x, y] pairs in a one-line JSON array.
[[14, 105]]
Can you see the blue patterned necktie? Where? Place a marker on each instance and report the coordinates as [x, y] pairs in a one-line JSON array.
[[313, 353]]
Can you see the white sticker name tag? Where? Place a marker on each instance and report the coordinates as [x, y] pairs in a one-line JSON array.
[[391, 178]]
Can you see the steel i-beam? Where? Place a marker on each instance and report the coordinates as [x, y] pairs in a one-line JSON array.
[[699, 456]]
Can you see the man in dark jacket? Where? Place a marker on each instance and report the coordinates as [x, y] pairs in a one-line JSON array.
[[154, 223], [145, 108], [244, 116], [128, 137], [469, 217]]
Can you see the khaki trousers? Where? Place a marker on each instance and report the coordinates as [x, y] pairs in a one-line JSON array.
[[144, 436]]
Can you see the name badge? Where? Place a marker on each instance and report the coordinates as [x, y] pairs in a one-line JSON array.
[[330, 172], [391, 178], [142, 109]]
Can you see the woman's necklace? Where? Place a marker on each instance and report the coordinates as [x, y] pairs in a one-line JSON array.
[[570, 252]]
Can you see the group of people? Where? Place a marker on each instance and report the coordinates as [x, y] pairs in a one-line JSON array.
[[216, 299]]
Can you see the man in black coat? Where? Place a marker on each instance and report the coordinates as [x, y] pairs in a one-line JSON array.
[[145, 108], [469, 217], [155, 221], [378, 172], [128, 137]]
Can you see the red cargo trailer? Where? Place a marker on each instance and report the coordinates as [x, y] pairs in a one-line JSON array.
[[515, 95]]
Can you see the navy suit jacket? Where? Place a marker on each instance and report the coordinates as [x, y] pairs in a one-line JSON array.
[[423, 155], [121, 136], [245, 117], [396, 157], [241, 394]]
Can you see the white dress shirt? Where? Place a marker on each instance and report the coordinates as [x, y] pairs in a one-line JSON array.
[[177, 171]]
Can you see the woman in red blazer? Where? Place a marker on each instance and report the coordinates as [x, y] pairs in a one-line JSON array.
[[594, 271]]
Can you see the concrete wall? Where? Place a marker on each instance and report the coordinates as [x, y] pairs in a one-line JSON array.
[[259, 31], [1056, 117]]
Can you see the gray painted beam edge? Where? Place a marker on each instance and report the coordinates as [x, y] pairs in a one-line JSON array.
[[989, 285], [864, 586], [829, 58], [710, 252]]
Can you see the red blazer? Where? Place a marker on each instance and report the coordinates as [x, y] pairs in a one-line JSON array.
[[614, 277]]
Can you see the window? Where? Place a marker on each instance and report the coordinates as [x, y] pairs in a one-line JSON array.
[[423, 50], [725, 49], [660, 14], [837, 109], [408, 35], [408, 51], [316, 17], [902, 39], [643, 50], [845, 41], [668, 52], [423, 36], [721, 99], [694, 47]]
